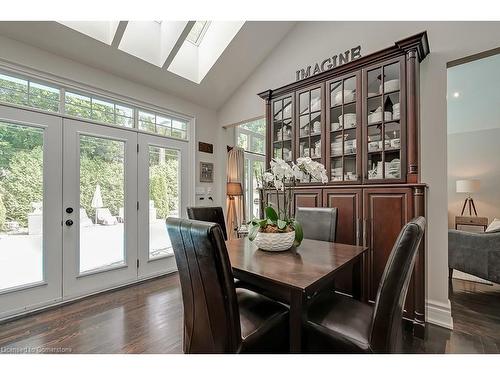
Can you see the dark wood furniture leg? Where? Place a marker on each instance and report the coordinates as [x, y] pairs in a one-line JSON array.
[[297, 316], [357, 278]]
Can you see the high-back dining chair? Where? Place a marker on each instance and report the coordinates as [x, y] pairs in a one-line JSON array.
[[318, 223], [337, 323], [218, 318], [209, 214]]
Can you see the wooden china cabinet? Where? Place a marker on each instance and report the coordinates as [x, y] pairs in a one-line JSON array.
[[361, 120]]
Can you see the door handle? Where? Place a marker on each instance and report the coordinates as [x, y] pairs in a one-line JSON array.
[[69, 222], [358, 231], [365, 222]]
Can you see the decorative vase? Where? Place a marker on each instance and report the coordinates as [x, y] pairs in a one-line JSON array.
[[274, 241]]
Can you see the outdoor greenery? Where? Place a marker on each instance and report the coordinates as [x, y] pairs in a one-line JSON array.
[[101, 163], [2, 212], [163, 184], [23, 184]]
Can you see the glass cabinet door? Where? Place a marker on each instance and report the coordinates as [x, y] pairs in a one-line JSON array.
[[282, 131], [344, 133], [384, 122], [310, 123]]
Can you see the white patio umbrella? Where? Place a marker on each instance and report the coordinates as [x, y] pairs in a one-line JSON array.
[[97, 200]]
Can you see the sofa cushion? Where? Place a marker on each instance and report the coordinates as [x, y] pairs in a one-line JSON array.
[[494, 226]]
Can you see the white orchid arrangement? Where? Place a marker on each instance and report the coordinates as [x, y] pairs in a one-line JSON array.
[[283, 177]]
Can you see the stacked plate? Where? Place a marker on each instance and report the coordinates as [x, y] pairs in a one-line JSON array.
[[337, 174], [393, 168], [348, 119], [350, 146], [336, 148], [376, 115], [395, 111]]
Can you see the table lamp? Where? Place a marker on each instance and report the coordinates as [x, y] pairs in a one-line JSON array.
[[468, 187]]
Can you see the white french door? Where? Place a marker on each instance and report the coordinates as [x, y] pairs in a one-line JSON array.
[[83, 207], [30, 210], [162, 188], [99, 208]]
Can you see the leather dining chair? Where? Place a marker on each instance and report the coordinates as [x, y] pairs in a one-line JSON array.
[[219, 318], [318, 223], [340, 324], [209, 214]]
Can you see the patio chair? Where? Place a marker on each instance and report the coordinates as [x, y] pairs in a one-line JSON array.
[[84, 218], [104, 217]]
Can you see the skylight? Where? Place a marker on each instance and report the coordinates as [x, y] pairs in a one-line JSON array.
[[196, 34], [186, 48]]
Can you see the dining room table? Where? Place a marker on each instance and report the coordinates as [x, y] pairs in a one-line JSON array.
[[296, 275]]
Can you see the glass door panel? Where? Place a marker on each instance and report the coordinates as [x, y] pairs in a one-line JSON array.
[[343, 137], [162, 193], [101, 209], [282, 132], [164, 197], [383, 120], [21, 205], [30, 210], [100, 214], [310, 124]]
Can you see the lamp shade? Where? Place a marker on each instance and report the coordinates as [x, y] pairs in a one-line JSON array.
[[467, 186], [234, 189]]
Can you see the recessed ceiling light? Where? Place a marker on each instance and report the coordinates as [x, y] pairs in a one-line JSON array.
[[456, 94]]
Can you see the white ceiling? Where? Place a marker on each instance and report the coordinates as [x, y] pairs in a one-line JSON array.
[[474, 96], [250, 46]]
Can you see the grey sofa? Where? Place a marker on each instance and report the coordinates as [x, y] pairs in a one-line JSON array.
[[477, 254]]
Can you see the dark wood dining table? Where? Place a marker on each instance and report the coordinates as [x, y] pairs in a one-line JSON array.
[[295, 275]]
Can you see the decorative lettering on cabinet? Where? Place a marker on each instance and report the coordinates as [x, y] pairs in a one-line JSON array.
[[329, 63]]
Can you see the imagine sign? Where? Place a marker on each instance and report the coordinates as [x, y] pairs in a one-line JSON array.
[[329, 63]]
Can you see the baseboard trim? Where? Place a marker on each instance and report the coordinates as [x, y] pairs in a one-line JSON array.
[[439, 313]]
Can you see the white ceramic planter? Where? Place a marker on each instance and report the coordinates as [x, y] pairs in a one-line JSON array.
[[274, 241]]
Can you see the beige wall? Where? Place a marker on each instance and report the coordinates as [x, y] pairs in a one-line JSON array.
[[475, 155], [309, 42], [205, 119]]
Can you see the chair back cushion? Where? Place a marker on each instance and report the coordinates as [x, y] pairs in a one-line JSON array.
[[210, 214], [211, 316], [389, 303], [318, 223]]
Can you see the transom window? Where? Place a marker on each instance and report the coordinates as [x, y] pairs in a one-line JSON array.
[[31, 94], [98, 109], [168, 126], [25, 92]]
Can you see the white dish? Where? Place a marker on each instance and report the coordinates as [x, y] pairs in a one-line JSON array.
[[377, 116], [335, 126], [391, 85]]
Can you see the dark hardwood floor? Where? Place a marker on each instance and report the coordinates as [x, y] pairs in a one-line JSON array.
[[147, 318]]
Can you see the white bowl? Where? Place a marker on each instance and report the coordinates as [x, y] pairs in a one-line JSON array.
[[274, 241], [377, 116], [335, 126], [391, 85]]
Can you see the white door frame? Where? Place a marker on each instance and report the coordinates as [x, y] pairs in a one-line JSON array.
[[251, 157], [74, 283], [30, 297], [166, 264]]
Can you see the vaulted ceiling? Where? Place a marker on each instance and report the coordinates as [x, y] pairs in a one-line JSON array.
[[211, 88]]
